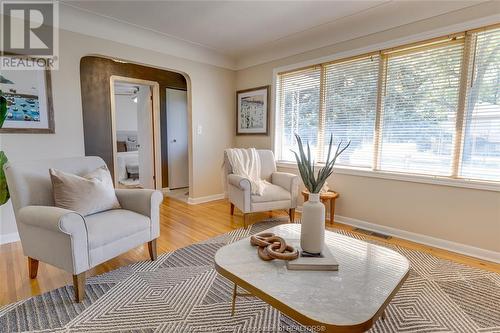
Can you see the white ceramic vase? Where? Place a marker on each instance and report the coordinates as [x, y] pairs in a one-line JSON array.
[[312, 232]]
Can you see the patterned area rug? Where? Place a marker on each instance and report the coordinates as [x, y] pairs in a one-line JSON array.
[[182, 292]]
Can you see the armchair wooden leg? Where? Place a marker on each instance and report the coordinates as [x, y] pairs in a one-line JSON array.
[[291, 213], [152, 249], [245, 216], [79, 286], [32, 267], [232, 209]]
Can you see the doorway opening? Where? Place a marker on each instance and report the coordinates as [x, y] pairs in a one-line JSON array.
[[98, 75], [136, 135]]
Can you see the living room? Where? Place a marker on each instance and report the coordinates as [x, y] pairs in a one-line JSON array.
[[408, 88]]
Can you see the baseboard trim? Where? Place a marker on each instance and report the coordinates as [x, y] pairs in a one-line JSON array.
[[208, 198], [464, 249], [467, 250], [9, 238]]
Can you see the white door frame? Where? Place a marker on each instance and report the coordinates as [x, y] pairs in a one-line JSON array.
[[155, 93]]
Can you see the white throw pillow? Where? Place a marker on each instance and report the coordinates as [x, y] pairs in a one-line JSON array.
[[88, 194]]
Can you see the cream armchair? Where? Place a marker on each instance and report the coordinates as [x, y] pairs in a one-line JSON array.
[[64, 238], [281, 193]]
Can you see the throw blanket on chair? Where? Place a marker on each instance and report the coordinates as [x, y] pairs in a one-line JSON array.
[[246, 163]]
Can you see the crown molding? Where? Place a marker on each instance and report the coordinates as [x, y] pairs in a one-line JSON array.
[[91, 24]]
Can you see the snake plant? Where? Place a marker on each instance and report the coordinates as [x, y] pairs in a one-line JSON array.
[[4, 190], [3, 109], [313, 183]]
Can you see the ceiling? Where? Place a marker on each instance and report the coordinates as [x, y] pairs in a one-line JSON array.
[[231, 27], [240, 29]]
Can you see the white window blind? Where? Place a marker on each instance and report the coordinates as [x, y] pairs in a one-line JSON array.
[[429, 108], [350, 108], [299, 109], [419, 109], [481, 149]]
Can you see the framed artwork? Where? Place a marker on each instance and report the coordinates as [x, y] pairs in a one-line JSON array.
[[252, 111], [29, 101]]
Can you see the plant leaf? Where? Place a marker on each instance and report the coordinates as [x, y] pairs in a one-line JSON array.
[[303, 172], [4, 190], [303, 164], [3, 109]]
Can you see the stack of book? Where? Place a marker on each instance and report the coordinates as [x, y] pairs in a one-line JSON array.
[[325, 262]]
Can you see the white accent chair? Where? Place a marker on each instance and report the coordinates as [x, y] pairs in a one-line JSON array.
[[66, 239], [281, 193]]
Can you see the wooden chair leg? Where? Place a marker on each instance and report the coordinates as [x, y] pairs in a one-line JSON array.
[[245, 215], [291, 213], [79, 286], [152, 249], [32, 267], [232, 209]]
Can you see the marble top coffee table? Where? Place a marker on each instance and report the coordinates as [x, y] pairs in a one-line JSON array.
[[348, 300]]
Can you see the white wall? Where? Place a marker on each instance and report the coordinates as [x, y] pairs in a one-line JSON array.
[[211, 101], [126, 113], [461, 215]]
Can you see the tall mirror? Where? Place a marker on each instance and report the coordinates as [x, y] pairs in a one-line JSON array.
[[134, 136]]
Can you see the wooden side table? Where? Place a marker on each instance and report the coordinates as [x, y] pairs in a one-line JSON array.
[[325, 197]]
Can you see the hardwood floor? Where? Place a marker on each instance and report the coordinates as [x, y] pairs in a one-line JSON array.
[[181, 225]]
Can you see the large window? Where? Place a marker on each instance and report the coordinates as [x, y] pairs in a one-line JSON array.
[[481, 150], [299, 96], [428, 108], [350, 108], [419, 109]]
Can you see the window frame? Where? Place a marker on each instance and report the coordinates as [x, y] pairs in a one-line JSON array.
[[466, 37]]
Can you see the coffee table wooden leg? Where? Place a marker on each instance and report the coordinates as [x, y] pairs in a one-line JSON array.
[[233, 305], [383, 315]]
